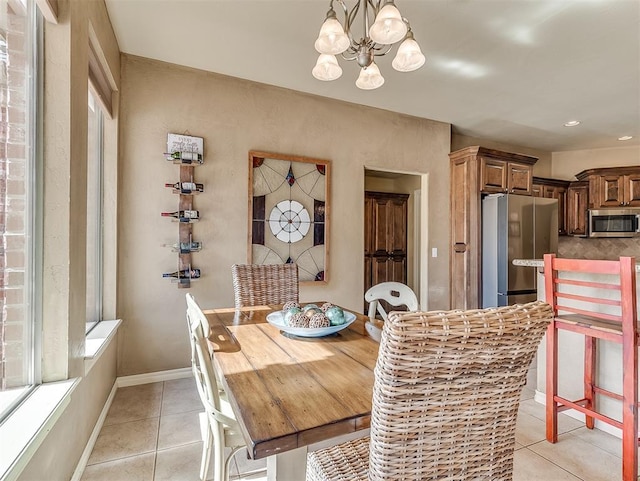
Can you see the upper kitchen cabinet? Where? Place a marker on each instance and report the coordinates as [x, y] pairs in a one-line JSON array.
[[577, 202], [554, 189], [476, 171], [613, 187], [503, 172]]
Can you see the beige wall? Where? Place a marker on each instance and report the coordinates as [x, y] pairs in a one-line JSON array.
[[542, 168], [235, 116], [567, 164]]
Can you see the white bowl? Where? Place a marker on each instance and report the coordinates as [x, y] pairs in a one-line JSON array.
[[277, 319]]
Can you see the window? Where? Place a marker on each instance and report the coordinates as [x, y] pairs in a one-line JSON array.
[[94, 211], [19, 229]]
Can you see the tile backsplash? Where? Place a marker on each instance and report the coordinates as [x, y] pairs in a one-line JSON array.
[[598, 248]]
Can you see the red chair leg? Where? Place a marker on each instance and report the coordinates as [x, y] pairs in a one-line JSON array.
[[552, 383], [629, 410], [590, 344]]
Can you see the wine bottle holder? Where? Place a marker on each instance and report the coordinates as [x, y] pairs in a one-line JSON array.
[[186, 151]]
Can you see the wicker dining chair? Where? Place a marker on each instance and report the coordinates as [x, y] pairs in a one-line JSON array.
[[445, 397], [257, 285]]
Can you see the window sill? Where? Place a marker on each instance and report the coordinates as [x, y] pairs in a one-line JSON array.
[[97, 341], [25, 429]]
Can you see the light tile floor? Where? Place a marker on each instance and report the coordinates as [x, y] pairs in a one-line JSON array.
[[151, 433]]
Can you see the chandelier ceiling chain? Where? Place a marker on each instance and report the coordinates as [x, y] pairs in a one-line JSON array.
[[388, 28]]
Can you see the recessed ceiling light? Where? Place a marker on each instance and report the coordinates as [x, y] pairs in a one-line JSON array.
[[572, 123], [625, 137]]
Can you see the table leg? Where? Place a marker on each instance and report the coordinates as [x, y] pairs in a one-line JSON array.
[[288, 466]]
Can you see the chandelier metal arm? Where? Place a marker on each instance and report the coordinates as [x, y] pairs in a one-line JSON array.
[[350, 16], [376, 49]]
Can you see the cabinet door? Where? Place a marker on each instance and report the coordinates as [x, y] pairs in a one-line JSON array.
[[465, 256], [397, 237], [610, 191], [379, 270], [577, 201], [560, 194], [632, 190], [381, 218], [519, 178], [389, 269], [493, 175], [368, 226], [537, 190]]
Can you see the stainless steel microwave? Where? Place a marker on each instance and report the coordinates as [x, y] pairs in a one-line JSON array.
[[614, 222]]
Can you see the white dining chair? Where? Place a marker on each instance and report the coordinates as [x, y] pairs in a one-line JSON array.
[[217, 423], [198, 316], [394, 293]]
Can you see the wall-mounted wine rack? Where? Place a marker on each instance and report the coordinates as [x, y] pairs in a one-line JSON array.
[[187, 152]]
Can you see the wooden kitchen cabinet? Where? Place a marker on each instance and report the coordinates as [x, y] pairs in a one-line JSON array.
[[577, 203], [476, 171], [554, 189], [505, 176], [612, 187]]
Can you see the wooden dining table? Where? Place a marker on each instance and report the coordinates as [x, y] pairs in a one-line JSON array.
[[291, 394]]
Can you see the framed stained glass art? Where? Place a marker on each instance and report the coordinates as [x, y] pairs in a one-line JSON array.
[[289, 212]]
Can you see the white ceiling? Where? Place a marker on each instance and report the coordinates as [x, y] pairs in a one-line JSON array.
[[506, 70]]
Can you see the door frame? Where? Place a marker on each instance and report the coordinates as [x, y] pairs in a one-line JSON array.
[[420, 252]]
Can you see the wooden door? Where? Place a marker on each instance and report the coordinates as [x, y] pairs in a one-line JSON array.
[[385, 238]]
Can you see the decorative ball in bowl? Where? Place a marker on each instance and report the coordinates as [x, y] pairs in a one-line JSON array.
[[310, 320]]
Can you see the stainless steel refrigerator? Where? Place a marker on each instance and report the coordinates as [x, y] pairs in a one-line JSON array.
[[515, 227]]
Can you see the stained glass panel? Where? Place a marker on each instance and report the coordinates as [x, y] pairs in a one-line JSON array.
[[289, 212]]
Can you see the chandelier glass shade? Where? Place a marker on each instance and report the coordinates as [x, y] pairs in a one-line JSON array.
[[388, 28]]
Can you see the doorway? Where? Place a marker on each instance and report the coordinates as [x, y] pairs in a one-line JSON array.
[[392, 250]]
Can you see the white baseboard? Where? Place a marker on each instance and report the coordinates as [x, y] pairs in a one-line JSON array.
[[541, 398], [123, 381], [157, 376], [82, 463]]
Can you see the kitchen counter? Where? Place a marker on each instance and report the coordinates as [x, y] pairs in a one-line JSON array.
[[540, 263]]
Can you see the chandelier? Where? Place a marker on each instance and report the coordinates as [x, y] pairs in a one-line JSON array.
[[388, 28]]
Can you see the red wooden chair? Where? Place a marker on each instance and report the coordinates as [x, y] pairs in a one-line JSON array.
[[590, 313]]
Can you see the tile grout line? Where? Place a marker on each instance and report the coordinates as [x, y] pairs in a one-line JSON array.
[[155, 453], [554, 463]]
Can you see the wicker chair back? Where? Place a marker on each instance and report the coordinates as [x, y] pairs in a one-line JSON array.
[[256, 285]]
